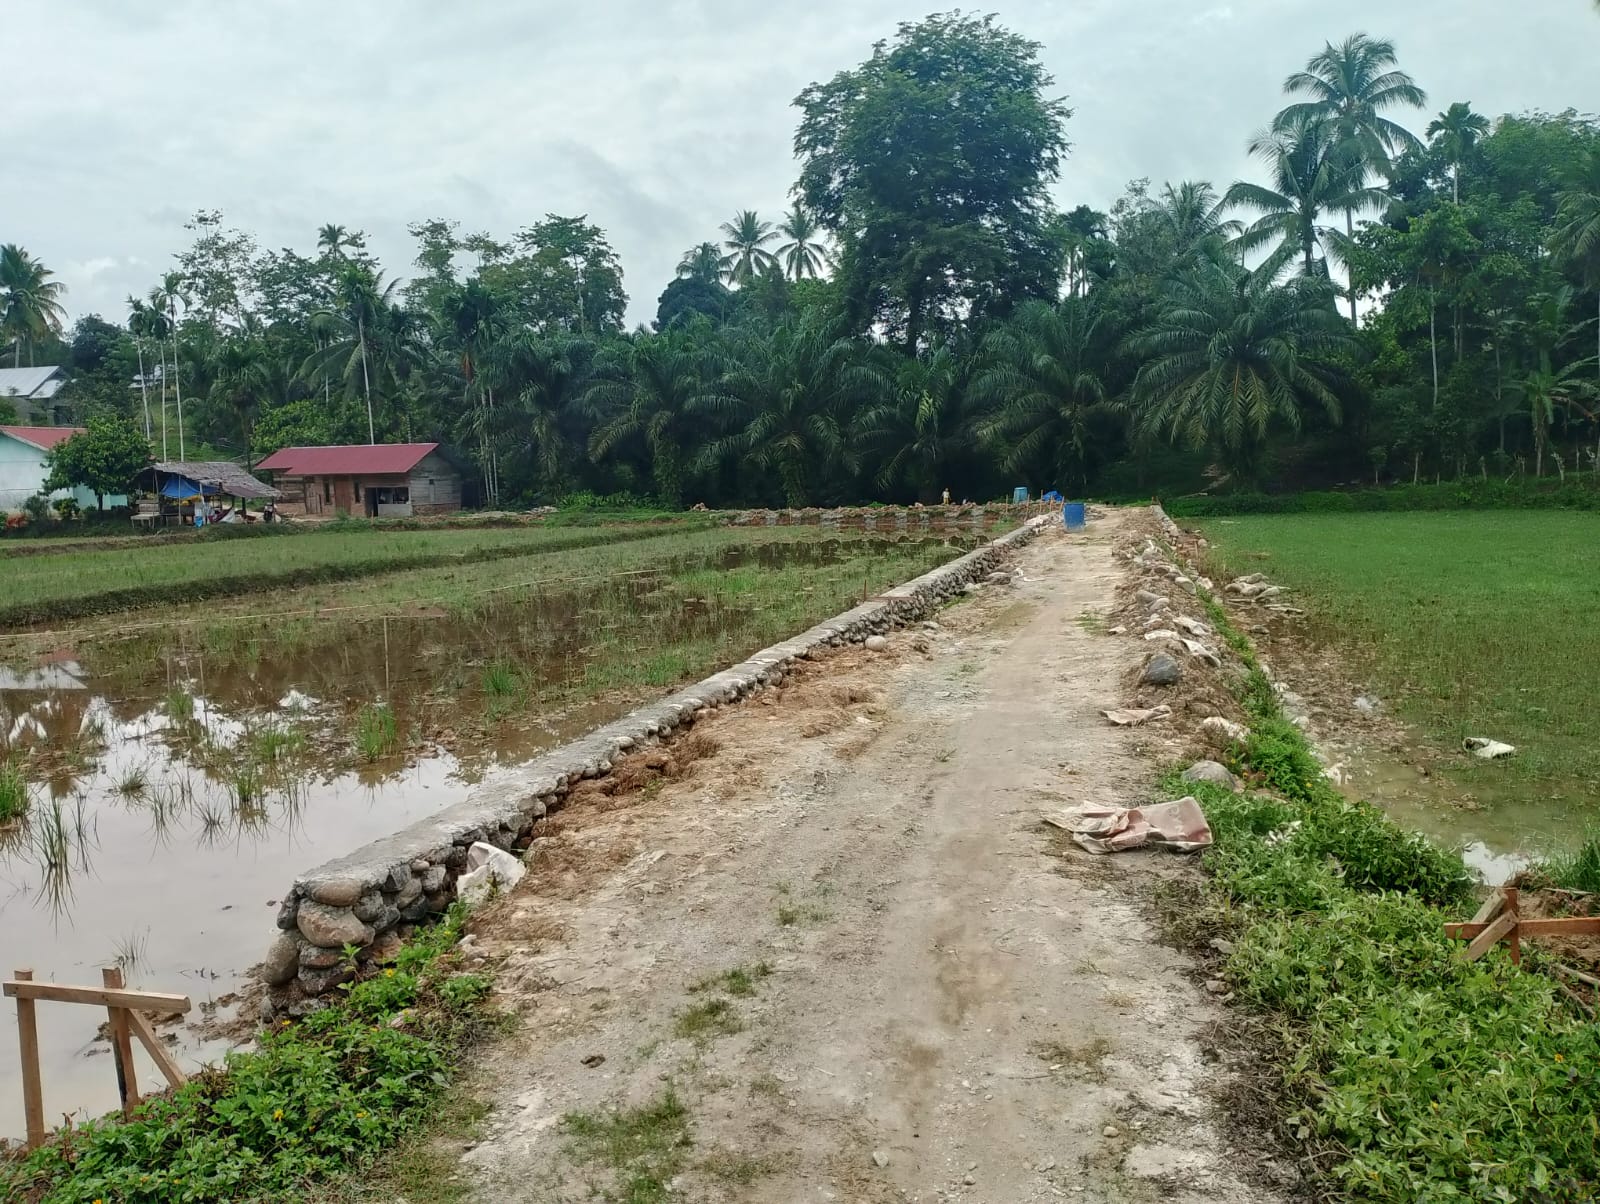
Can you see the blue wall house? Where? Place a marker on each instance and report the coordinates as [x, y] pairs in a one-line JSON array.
[[23, 467]]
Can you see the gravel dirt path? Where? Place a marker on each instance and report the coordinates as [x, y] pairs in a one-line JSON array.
[[933, 996]]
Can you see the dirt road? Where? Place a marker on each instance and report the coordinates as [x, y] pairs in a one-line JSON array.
[[839, 958]]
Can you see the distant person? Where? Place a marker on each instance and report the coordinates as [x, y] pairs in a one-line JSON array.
[[946, 498]]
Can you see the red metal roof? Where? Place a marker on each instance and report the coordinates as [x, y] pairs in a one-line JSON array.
[[362, 459], [44, 437]]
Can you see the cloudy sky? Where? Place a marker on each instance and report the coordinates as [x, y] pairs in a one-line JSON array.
[[657, 118]]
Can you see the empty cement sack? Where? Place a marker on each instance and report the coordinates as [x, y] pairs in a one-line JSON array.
[[1179, 825], [1487, 750], [488, 869]]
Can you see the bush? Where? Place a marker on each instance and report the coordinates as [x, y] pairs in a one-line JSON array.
[[37, 508], [1454, 495], [1411, 1074], [66, 508], [313, 1100]]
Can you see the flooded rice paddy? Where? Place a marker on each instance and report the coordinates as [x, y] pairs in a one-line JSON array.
[[181, 775]]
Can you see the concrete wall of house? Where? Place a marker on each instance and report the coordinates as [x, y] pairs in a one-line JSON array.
[[435, 486], [22, 473]]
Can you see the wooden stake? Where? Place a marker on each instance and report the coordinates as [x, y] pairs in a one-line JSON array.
[[1510, 893], [121, 1044], [158, 1052], [32, 1091], [1489, 937]]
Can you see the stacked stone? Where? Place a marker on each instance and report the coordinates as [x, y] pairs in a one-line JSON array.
[[371, 899]]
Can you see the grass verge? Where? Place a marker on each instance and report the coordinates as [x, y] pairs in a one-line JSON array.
[[1409, 1075], [316, 1100]]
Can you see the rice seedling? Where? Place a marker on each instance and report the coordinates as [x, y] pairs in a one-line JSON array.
[[13, 792], [377, 731], [501, 680]]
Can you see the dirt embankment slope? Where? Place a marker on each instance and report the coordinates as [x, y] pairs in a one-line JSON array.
[[936, 1000]]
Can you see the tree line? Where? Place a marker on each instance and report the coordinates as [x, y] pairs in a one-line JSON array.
[[1377, 304]]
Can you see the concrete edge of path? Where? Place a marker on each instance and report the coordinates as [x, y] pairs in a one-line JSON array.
[[363, 897]]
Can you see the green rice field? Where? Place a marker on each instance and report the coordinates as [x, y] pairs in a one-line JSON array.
[[1468, 623]]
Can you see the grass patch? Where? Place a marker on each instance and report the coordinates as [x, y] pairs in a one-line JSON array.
[[704, 1021], [377, 732], [741, 980], [638, 1150], [1578, 869], [1408, 1074], [501, 680], [737, 1170], [1471, 622], [315, 1100], [794, 915], [13, 792]]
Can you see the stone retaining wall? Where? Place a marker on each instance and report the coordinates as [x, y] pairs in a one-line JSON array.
[[372, 897], [893, 519]]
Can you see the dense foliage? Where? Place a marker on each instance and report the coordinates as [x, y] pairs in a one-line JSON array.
[[1410, 1074], [1377, 305]]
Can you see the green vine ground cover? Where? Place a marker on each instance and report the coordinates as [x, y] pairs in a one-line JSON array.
[[316, 1102], [1408, 1075]]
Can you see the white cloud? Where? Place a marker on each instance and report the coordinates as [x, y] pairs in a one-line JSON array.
[[657, 118]]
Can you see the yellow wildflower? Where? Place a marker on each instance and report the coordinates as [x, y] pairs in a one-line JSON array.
[[277, 1114]]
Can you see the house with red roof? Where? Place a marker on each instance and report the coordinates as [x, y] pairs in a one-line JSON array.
[[378, 480], [24, 465]]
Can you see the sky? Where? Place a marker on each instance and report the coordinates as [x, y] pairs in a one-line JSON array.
[[659, 119]]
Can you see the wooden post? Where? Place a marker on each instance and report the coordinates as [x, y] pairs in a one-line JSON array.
[[121, 1044], [1513, 937], [32, 1091]]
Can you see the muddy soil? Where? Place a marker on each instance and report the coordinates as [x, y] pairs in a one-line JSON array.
[[941, 1000]]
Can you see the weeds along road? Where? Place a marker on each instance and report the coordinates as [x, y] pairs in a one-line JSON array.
[[833, 955]]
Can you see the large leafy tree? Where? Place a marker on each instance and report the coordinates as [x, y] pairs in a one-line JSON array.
[[1043, 379], [930, 164], [746, 238], [30, 301], [1231, 354], [104, 458]]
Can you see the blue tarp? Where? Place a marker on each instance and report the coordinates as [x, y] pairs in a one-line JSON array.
[[182, 487]]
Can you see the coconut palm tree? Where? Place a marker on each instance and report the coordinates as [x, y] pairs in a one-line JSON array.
[[1575, 241], [139, 326], [30, 301], [1312, 174], [165, 298], [747, 236], [1042, 381], [474, 320], [344, 332], [1230, 354], [704, 262], [804, 254], [333, 239], [1351, 85], [1082, 229], [1455, 132], [652, 396]]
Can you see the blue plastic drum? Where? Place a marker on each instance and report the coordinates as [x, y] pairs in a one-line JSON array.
[[1074, 516]]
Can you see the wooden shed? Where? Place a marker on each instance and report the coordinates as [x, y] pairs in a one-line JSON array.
[[379, 480]]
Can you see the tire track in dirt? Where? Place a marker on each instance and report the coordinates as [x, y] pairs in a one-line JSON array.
[[939, 1002]]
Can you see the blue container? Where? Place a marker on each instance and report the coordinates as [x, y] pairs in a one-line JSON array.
[[1074, 516], [1019, 495]]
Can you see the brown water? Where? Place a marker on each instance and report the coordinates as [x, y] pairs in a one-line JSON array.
[[180, 781]]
